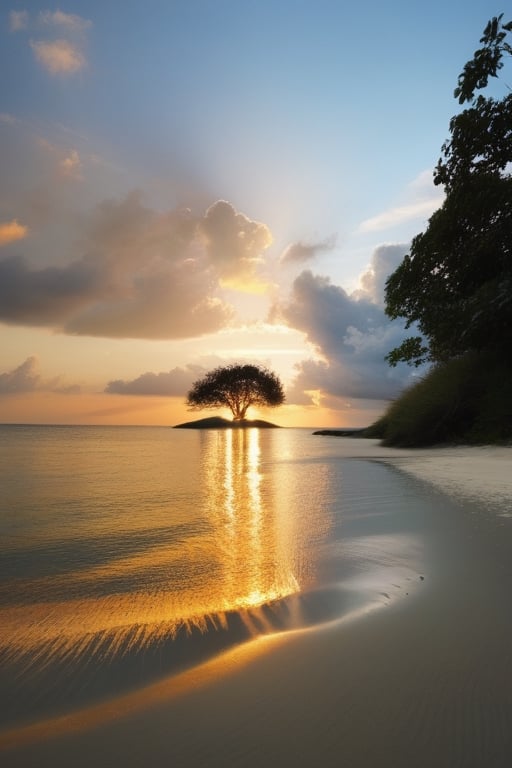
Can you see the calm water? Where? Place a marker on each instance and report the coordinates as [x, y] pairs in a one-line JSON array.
[[132, 552]]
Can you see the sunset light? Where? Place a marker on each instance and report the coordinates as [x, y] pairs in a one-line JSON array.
[[170, 234], [255, 384]]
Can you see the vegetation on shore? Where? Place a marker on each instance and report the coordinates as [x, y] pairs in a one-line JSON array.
[[454, 287], [348, 432], [466, 400]]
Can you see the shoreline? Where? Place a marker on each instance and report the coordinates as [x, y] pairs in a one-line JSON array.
[[482, 474], [419, 682]]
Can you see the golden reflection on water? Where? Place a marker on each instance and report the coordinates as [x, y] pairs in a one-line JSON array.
[[255, 562], [250, 547]]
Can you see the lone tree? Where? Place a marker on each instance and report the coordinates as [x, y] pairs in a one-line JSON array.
[[455, 285], [236, 387]]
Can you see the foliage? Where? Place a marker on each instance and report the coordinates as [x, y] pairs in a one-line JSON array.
[[455, 285], [486, 61], [466, 400], [480, 143], [236, 387]]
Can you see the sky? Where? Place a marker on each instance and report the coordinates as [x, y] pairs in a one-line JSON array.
[[187, 184]]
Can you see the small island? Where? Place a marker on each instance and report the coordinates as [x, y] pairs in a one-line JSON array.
[[217, 422], [236, 387]]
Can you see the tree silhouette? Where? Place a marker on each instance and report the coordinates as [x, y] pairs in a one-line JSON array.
[[455, 285], [236, 387]]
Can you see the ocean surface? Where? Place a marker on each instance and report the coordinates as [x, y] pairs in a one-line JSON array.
[[131, 553]]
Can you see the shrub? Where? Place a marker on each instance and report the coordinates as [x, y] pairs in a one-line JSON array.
[[468, 399]]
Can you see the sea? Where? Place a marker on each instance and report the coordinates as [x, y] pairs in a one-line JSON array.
[[133, 553]]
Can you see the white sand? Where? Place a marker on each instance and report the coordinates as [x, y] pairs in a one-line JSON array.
[[424, 683], [481, 474]]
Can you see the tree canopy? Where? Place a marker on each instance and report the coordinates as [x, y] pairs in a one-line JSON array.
[[455, 285], [236, 387]]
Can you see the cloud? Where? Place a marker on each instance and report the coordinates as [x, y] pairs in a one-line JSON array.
[[71, 165], [235, 245], [7, 119], [68, 159], [174, 383], [299, 253], [68, 21], [385, 259], [58, 56], [10, 231], [27, 378], [399, 215], [352, 335], [61, 39], [426, 198], [141, 274], [18, 20], [46, 296]]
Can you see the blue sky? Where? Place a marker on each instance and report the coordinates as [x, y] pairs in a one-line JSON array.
[[188, 183]]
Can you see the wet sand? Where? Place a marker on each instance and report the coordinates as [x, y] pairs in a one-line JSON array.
[[423, 679]]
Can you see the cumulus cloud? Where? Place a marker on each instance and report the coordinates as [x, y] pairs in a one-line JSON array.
[[142, 274], [58, 56], [299, 253], [18, 20], [352, 335], [10, 231], [384, 261], [27, 378], [46, 296], [235, 245], [174, 383]]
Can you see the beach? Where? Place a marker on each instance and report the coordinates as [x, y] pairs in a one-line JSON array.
[[418, 675]]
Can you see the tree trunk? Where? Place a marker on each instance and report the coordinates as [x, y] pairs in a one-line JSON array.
[[239, 414]]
